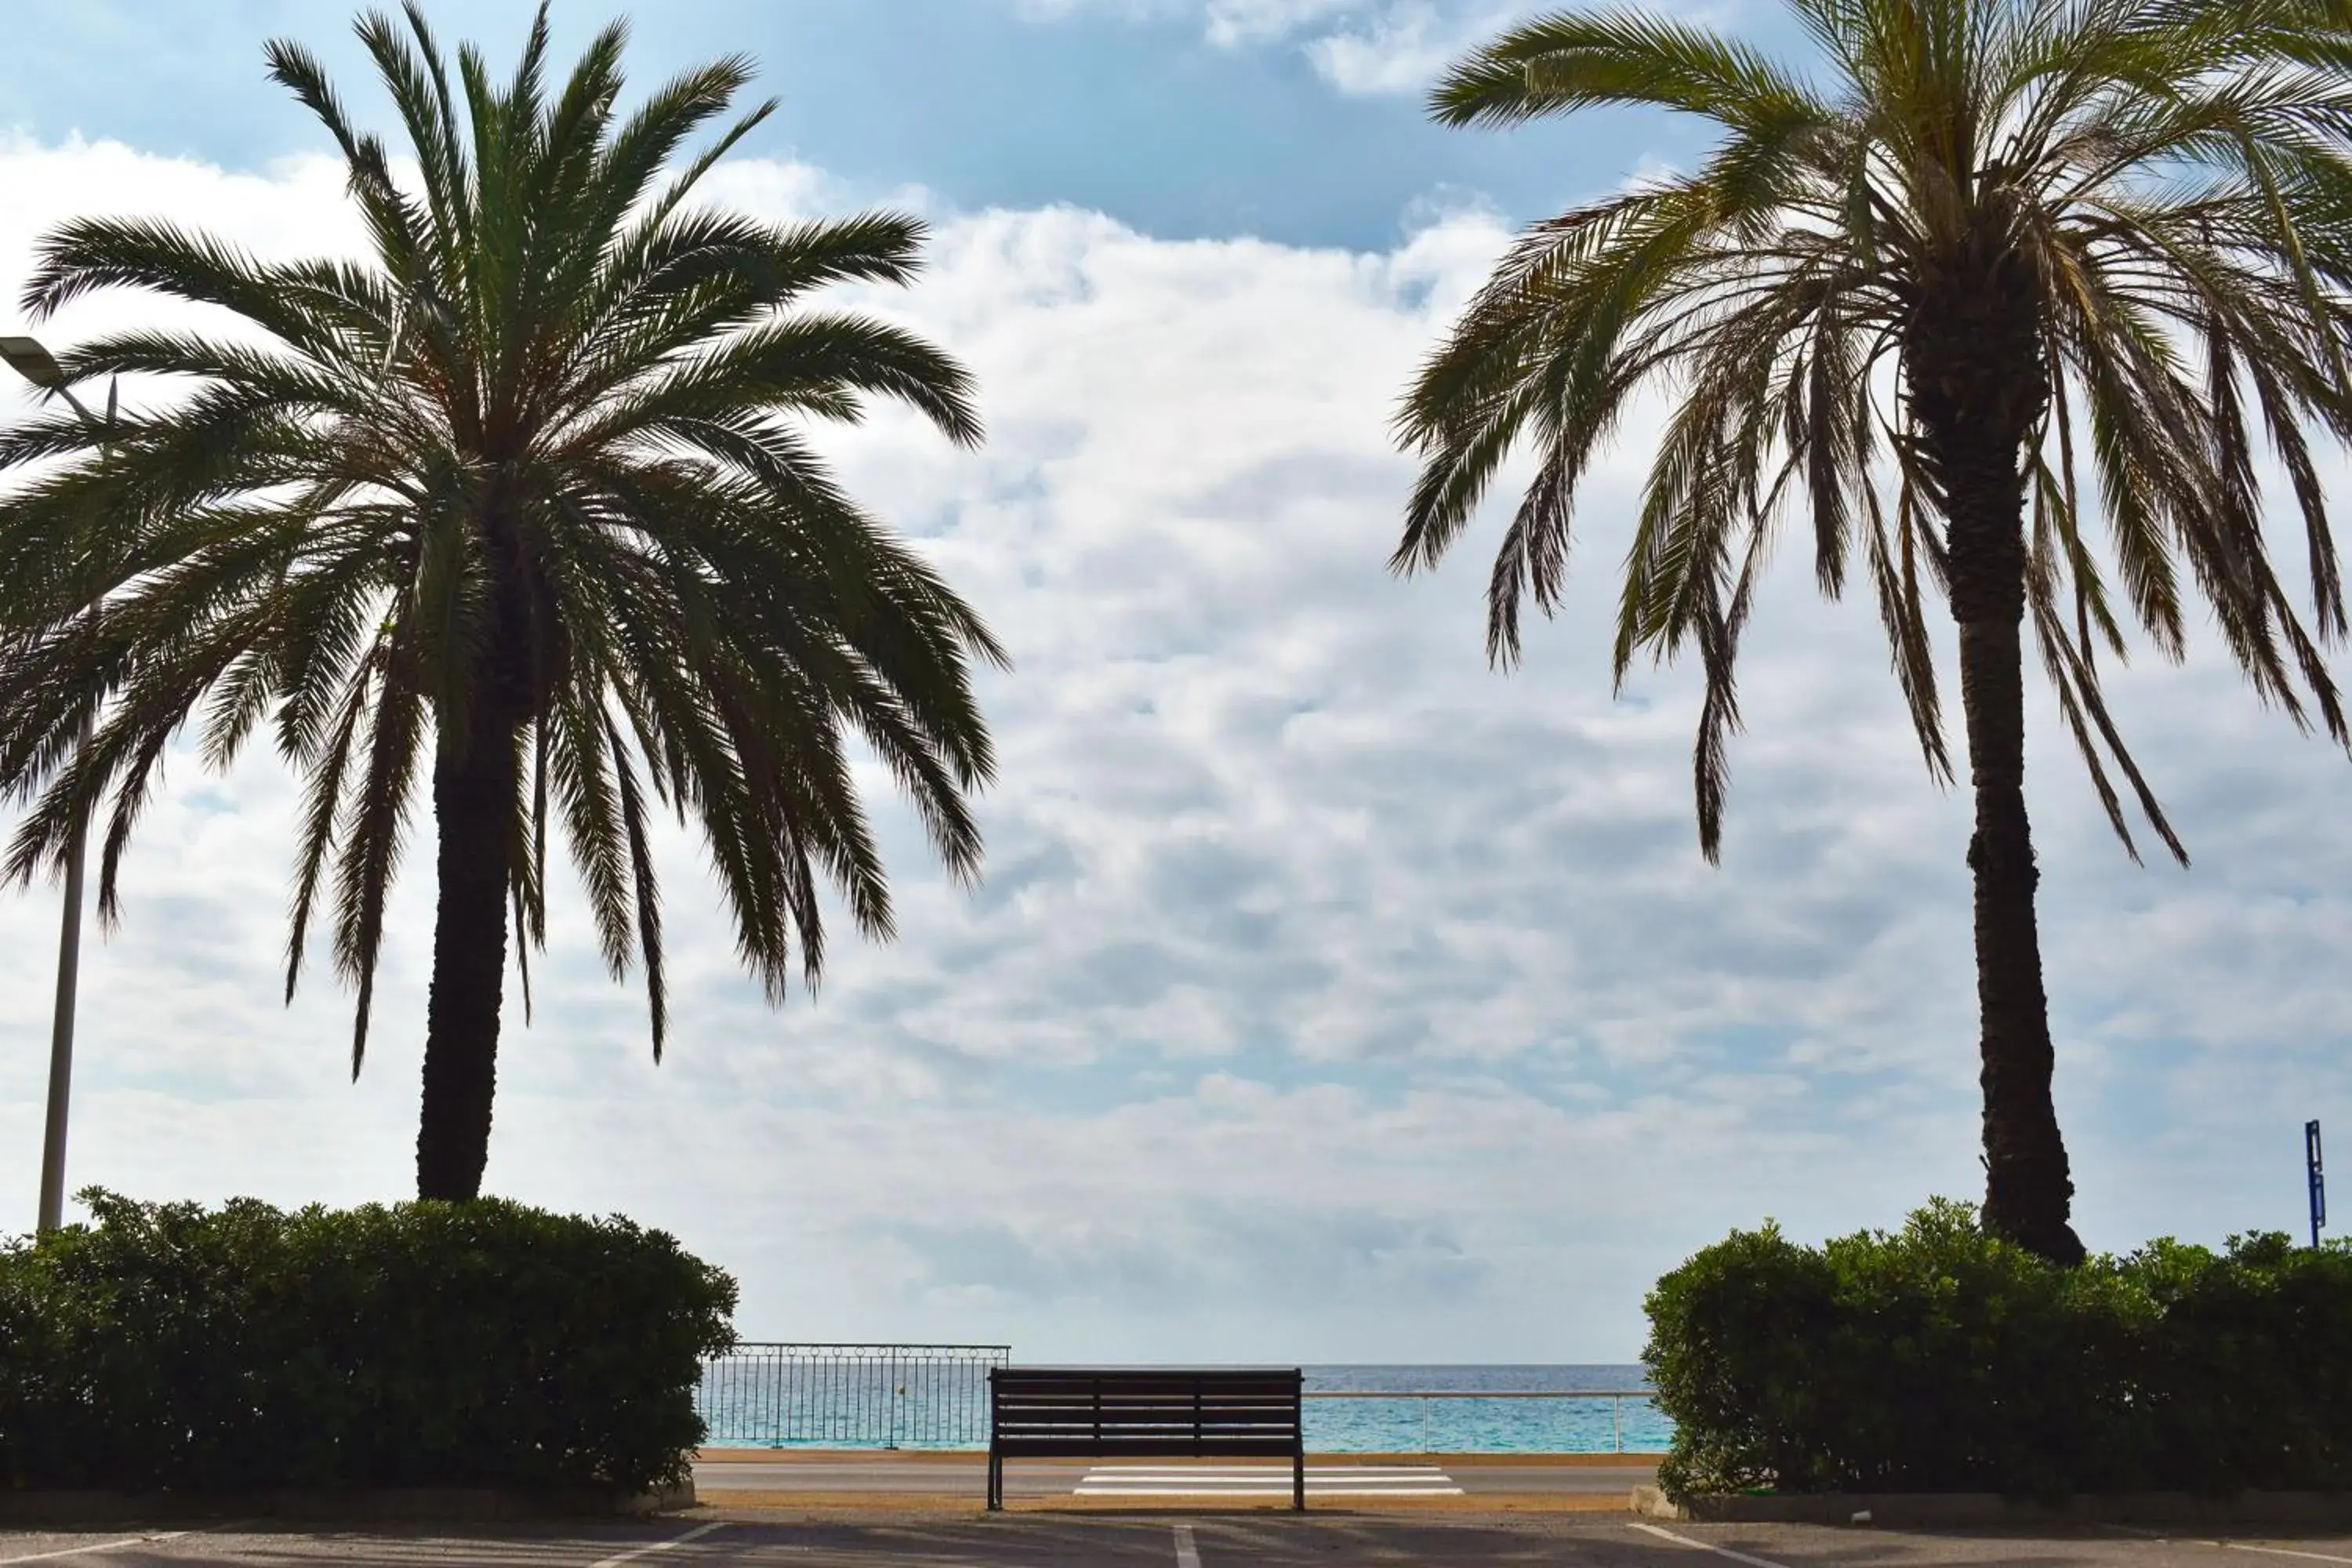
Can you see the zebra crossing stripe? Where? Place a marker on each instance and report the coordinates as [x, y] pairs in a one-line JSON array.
[[1264, 1481]]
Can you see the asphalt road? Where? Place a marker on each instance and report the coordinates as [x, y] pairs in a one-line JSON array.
[[1204, 1541]]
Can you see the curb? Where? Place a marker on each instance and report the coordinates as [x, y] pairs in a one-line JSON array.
[[375, 1503], [1978, 1509]]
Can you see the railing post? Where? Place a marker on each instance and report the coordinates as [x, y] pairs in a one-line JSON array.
[[1617, 1418]]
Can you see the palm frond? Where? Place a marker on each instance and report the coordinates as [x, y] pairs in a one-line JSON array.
[[538, 472], [2175, 180]]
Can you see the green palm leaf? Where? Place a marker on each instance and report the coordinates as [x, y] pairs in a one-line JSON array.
[[1969, 249], [522, 512]]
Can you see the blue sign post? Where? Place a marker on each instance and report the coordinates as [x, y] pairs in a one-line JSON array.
[[2318, 1178]]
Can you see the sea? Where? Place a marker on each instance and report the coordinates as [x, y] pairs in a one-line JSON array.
[[1626, 1421], [885, 1402]]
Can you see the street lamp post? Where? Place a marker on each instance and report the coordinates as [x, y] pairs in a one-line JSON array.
[[28, 359]]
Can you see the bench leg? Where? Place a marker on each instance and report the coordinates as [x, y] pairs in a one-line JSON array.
[[995, 1482], [1299, 1480]]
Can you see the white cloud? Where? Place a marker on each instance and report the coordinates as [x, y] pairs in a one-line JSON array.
[[1226, 23], [1233, 22], [1361, 48], [1401, 49], [1328, 995]]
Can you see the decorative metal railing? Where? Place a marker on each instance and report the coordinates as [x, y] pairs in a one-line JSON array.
[[849, 1395], [936, 1396]]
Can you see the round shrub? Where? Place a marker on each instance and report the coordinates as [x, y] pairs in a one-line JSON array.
[[1938, 1358], [172, 1347]]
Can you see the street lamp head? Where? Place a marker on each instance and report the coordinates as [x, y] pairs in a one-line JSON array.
[[28, 359]]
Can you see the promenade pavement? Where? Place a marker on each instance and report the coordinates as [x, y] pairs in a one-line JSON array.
[[774, 1477]]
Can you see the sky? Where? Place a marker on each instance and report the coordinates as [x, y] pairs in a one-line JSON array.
[[1330, 996]]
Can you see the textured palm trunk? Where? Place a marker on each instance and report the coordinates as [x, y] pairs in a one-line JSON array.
[[1978, 386], [2028, 1189], [474, 801]]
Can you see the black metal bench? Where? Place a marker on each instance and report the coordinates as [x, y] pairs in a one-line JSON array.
[[1145, 1413]]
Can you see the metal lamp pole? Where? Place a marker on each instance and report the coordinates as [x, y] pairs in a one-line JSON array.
[[28, 359]]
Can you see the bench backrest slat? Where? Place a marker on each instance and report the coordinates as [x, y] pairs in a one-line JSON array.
[[1159, 1411]]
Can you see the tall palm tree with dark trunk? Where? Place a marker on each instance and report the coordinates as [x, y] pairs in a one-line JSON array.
[[521, 507], [1921, 282]]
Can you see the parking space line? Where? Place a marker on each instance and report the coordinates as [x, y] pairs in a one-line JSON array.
[[2230, 1545], [671, 1544], [1187, 1554], [1684, 1540], [2280, 1551], [101, 1546]]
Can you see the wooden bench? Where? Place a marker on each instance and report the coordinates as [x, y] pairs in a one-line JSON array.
[[1145, 1413]]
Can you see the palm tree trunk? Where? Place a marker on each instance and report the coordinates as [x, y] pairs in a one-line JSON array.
[[2029, 1191], [474, 803], [1977, 387]]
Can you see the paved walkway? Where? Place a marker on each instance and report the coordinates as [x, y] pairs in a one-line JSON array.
[[803, 1477], [1203, 1540]]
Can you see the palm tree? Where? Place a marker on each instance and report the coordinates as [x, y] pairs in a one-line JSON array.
[[523, 499], [1912, 292]]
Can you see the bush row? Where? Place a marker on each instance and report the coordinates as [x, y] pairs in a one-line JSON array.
[[1939, 1359], [483, 1344]]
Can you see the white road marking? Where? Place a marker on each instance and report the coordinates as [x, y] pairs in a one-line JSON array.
[[102, 1546], [671, 1544], [2280, 1551], [1263, 1491], [1707, 1546], [1255, 1472], [1187, 1554], [1264, 1481], [2231, 1545]]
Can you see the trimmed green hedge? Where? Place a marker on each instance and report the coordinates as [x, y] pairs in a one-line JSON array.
[[169, 1347], [1937, 1359]]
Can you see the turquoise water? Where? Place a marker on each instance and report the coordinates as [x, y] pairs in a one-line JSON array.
[[883, 1403], [1474, 1426]]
